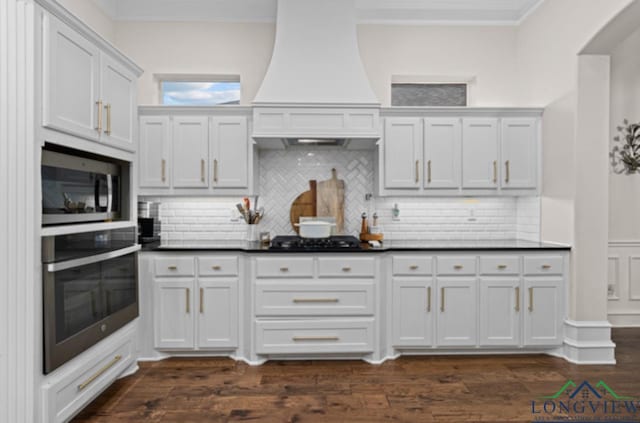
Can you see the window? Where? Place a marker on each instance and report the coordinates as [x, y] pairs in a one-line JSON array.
[[429, 94], [199, 91]]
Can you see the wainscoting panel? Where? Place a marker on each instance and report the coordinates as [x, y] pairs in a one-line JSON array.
[[624, 283]]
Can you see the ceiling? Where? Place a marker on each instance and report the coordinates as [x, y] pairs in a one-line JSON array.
[[407, 12]]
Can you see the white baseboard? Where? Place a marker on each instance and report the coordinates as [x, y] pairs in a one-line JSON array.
[[624, 320], [589, 342]]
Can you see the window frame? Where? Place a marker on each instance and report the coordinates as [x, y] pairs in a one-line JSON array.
[[469, 81], [187, 78]]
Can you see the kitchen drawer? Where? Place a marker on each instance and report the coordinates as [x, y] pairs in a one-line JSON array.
[[65, 394], [284, 267], [174, 266], [314, 336], [499, 265], [301, 298], [456, 265], [218, 266], [543, 265], [341, 267], [412, 265]]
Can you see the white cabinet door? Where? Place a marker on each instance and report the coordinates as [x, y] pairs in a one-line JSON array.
[[190, 151], [402, 152], [71, 67], [480, 153], [442, 142], [173, 311], [218, 313], [413, 309], [230, 152], [457, 311], [118, 93], [519, 141], [500, 309], [543, 317], [155, 152]]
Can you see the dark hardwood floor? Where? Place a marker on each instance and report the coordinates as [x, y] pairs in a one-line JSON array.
[[410, 389]]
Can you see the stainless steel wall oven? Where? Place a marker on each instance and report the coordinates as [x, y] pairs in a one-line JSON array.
[[90, 286]]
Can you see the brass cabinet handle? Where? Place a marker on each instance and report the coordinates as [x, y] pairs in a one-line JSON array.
[[517, 298], [202, 170], [417, 171], [495, 171], [216, 267], [413, 267], [315, 300], [429, 171], [164, 168], [172, 267], [458, 266], [507, 171], [441, 299], [284, 269], [201, 300], [428, 299], [315, 338], [546, 266], [99, 127], [99, 373], [530, 299], [188, 298], [215, 170], [502, 266], [108, 130], [346, 269]]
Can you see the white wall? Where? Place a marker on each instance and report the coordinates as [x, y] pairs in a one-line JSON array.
[[624, 189], [93, 16], [485, 53]]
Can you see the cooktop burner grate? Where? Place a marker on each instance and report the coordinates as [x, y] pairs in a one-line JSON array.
[[293, 242]]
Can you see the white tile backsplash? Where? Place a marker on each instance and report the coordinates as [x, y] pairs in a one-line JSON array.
[[284, 174]]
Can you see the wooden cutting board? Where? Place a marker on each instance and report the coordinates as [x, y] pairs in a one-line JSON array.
[[303, 205], [330, 200]]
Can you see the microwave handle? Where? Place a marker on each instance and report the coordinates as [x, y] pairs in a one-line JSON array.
[[83, 261], [109, 193]]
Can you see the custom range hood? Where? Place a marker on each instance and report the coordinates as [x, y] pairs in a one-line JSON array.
[[316, 90]]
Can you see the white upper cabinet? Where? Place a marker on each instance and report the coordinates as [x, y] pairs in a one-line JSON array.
[[402, 153], [190, 151], [87, 92], [229, 152], [155, 151], [71, 67], [480, 153], [119, 103], [519, 153], [442, 142]]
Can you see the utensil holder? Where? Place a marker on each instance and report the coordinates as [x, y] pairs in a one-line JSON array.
[[253, 233]]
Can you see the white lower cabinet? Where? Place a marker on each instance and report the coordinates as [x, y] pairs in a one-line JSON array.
[[500, 311], [542, 317], [457, 312], [413, 312], [195, 313]]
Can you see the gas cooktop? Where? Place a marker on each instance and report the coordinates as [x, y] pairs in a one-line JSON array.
[[333, 243]]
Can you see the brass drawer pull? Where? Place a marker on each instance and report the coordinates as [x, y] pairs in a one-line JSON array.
[[216, 267], [429, 171], [346, 269], [164, 170], [495, 171], [546, 266], [442, 299], [413, 267], [502, 266], [284, 269], [108, 130], [99, 373], [429, 299], [188, 299], [507, 171], [201, 300], [417, 171], [458, 267], [517, 298], [315, 338], [99, 127], [172, 267], [215, 170], [315, 300], [530, 299], [202, 170]]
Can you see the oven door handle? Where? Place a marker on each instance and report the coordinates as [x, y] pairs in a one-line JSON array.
[[70, 264]]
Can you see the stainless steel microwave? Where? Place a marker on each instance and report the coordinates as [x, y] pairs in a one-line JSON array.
[[76, 189]]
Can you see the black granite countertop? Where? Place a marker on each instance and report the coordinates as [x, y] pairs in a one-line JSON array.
[[389, 245]]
